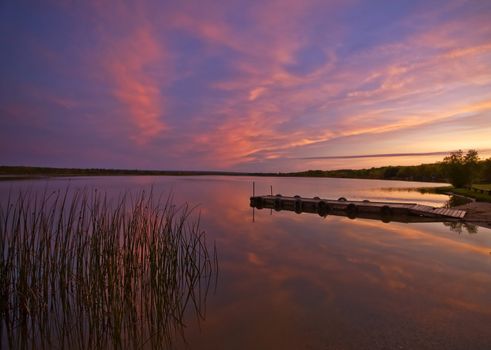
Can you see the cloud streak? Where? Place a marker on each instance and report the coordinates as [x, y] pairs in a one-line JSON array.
[[388, 155], [384, 155]]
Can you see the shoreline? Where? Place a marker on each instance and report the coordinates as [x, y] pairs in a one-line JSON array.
[[477, 212], [366, 174]]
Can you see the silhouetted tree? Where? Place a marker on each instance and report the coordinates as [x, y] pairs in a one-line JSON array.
[[486, 170], [461, 170]]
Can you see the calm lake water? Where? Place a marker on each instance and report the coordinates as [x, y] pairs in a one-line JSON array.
[[300, 281]]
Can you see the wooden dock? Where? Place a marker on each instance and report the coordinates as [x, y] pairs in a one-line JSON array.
[[349, 208]]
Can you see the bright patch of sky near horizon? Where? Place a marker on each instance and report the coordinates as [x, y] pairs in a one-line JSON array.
[[243, 85]]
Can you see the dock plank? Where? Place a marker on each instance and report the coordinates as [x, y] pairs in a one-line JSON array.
[[455, 213]]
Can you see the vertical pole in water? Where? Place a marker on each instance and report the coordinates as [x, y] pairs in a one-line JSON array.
[[271, 210], [253, 194]]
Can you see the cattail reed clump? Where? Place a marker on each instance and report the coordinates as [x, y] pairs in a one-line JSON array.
[[78, 270]]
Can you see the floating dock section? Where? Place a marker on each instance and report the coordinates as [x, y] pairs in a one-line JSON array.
[[345, 207]]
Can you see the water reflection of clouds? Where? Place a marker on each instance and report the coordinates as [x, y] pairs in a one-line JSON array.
[[344, 273]]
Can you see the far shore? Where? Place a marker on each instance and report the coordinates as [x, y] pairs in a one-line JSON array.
[[27, 173]]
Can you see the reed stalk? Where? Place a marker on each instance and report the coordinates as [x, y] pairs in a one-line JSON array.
[[81, 271]]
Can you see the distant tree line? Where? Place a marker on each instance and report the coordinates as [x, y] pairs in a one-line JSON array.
[[424, 172], [47, 171], [460, 169]]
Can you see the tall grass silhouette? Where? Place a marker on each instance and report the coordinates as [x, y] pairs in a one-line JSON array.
[[81, 271]]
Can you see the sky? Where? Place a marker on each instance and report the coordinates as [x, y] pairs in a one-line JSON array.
[[243, 85]]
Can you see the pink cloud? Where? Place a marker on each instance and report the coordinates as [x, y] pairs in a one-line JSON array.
[[126, 62]]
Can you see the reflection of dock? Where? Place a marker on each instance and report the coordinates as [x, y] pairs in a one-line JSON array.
[[405, 212]]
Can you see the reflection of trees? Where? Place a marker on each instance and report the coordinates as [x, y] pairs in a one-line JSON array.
[[455, 201], [82, 273], [459, 227]]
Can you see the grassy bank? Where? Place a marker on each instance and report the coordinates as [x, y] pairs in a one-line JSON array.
[[471, 193]]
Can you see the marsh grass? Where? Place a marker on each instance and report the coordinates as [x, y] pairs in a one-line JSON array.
[[80, 271]]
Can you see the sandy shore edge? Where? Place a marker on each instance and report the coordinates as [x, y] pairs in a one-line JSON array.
[[477, 212]]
